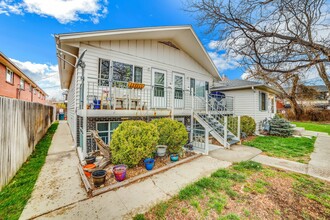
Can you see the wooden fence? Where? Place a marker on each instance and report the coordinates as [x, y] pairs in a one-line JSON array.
[[22, 125]]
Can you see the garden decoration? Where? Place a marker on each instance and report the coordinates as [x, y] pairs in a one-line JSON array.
[[120, 172], [161, 150], [104, 149], [99, 177], [88, 169], [134, 85], [149, 163]]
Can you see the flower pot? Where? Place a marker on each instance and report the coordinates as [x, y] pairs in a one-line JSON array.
[[120, 172], [174, 157], [161, 150], [99, 177], [87, 169], [90, 159], [149, 163]]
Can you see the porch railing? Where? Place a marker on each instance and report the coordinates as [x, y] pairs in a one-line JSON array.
[[118, 96]]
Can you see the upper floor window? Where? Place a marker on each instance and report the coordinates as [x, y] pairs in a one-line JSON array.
[[104, 72], [262, 101], [22, 84], [138, 74], [38, 94], [9, 76], [122, 72]]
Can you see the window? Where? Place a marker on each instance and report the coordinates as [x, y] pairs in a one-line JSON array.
[[38, 94], [199, 87], [22, 84], [104, 72], [178, 87], [159, 89], [138, 74], [272, 105], [9, 76], [262, 101], [34, 91], [192, 85], [122, 72], [106, 129]]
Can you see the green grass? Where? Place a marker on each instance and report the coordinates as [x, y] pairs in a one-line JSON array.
[[313, 126], [209, 197], [15, 195], [292, 148]]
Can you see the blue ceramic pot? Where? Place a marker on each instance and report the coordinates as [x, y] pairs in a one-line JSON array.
[[149, 163], [174, 157]]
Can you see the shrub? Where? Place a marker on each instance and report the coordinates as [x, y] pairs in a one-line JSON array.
[[133, 141], [280, 127], [171, 133], [248, 125]]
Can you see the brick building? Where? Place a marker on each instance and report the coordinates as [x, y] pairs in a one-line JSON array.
[[15, 84]]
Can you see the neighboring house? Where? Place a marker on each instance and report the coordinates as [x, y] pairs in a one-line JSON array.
[[138, 74], [320, 99], [15, 84], [254, 99]]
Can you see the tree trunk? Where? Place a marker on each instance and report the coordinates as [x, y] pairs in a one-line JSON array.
[[298, 111], [323, 74]]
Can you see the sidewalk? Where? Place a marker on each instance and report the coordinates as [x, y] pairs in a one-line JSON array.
[[59, 182], [58, 193], [318, 166]]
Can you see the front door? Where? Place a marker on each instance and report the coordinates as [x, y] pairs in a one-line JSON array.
[[159, 88], [178, 82]]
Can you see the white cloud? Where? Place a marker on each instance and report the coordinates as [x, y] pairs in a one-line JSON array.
[[64, 11], [225, 61], [45, 75]]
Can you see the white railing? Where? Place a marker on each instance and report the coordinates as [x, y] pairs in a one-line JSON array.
[[116, 95]]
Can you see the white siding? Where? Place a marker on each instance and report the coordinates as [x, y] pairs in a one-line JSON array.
[[147, 54], [246, 102], [71, 108]]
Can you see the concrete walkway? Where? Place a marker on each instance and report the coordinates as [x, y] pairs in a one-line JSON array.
[[59, 182], [236, 153], [58, 193], [318, 166]]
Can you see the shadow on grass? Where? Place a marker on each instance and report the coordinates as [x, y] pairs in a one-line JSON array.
[[15, 195]]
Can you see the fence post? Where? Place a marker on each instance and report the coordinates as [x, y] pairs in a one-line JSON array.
[[225, 131], [239, 128], [207, 141]]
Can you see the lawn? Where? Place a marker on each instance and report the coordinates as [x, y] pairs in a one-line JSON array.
[[314, 126], [15, 195], [291, 148], [248, 191]]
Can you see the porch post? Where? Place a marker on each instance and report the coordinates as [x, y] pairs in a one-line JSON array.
[[173, 95], [207, 141], [239, 128], [192, 115], [225, 132], [84, 81]]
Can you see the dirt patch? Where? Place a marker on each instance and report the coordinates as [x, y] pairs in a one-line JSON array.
[[267, 194]]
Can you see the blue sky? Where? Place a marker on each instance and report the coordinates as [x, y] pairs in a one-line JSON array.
[[27, 27]]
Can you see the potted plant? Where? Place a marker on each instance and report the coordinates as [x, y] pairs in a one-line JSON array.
[[90, 159], [120, 172], [149, 163], [174, 157], [99, 177], [161, 150]]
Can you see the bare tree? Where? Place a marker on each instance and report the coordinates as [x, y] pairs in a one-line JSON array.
[[279, 36]]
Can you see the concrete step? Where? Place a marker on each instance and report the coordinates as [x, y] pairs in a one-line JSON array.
[[298, 131]]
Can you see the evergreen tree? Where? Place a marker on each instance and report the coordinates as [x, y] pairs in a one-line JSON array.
[[280, 127]]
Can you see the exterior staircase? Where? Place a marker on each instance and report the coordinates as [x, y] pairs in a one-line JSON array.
[[213, 120]]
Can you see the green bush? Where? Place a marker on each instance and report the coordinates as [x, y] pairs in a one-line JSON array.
[[171, 133], [133, 141], [248, 125], [280, 127]]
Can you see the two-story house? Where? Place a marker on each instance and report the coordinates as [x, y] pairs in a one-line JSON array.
[[15, 84], [139, 74]]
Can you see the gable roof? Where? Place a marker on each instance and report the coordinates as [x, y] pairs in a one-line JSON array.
[[13, 67], [237, 84], [183, 36]]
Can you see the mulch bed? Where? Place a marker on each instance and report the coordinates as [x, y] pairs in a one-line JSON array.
[[133, 173]]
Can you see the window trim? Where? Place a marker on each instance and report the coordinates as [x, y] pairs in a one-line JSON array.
[[260, 101], [12, 76], [20, 83]]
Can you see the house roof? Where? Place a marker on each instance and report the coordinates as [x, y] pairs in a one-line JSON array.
[[13, 67], [238, 84], [183, 36]]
